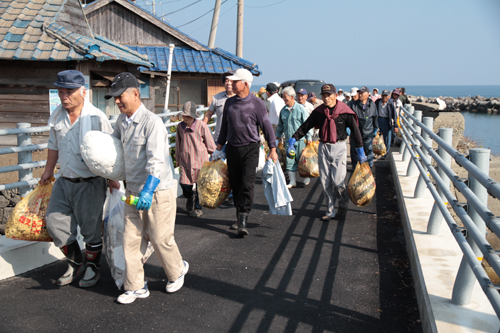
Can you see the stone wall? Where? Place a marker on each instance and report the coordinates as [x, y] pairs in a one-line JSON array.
[[8, 200], [471, 104]]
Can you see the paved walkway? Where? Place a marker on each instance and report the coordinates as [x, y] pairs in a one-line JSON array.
[[291, 274]]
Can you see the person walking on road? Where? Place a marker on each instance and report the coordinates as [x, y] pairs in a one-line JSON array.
[[302, 99], [386, 118], [332, 118], [292, 116], [149, 177], [243, 115], [276, 105], [78, 195], [366, 110], [193, 143], [354, 96]]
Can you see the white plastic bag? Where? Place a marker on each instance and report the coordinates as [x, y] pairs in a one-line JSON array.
[[114, 227], [262, 158]]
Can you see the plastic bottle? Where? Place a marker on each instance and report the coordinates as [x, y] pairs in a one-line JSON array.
[[130, 200]]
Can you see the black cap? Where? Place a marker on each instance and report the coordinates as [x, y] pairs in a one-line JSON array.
[[226, 74], [70, 79], [122, 82], [328, 89], [364, 89], [271, 87]]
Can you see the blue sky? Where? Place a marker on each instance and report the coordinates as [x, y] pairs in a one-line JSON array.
[[424, 42]]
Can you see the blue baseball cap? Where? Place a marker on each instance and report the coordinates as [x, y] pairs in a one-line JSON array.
[[70, 79], [302, 91]]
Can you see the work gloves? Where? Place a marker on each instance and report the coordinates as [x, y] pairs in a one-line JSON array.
[[361, 155], [217, 155], [290, 152], [146, 195], [348, 131]]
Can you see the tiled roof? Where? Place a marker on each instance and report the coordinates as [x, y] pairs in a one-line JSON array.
[[31, 30], [192, 61]]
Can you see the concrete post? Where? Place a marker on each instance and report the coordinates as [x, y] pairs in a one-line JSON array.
[[412, 166], [436, 216], [465, 281], [215, 22], [420, 187], [24, 157], [239, 30], [171, 48], [406, 152]]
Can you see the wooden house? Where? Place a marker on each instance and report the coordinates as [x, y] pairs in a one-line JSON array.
[[196, 69], [39, 38]]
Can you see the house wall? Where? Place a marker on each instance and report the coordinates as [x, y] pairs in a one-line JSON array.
[[120, 25]]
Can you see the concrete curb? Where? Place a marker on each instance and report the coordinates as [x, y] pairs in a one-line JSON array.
[[435, 260]]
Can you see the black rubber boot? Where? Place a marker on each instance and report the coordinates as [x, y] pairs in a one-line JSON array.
[[235, 225], [92, 265], [75, 263], [242, 226]]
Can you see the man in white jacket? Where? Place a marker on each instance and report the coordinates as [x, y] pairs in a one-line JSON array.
[[78, 195], [276, 104]]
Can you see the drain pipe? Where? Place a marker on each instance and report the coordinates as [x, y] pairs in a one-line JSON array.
[[169, 75]]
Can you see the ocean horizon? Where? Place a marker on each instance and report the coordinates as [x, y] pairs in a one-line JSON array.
[[426, 90]]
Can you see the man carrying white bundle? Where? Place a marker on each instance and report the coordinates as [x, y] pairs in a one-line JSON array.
[[149, 177], [78, 195]]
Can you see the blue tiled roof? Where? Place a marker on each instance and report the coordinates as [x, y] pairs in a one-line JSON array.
[[192, 61], [28, 32]]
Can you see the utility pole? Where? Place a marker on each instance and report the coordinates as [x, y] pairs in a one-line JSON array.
[[239, 30], [215, 22]]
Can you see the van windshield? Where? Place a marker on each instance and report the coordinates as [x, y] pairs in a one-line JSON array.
[[310, 86]]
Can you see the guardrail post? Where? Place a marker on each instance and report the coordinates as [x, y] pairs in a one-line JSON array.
[[24, 157], [412, 166], [406, 152], [465, 281], [420, 187], [436, 216]]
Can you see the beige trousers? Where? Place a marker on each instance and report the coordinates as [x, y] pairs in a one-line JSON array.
[[157, 226]]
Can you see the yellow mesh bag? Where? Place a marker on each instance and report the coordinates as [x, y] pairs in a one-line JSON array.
[[378, 145], [27, 220], [308, 162], [281, 156], [361, 187], [213, 184]]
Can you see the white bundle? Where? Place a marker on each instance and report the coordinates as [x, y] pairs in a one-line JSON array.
[[103, 154]]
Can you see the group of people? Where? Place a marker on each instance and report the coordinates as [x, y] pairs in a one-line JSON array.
[[296, 116]]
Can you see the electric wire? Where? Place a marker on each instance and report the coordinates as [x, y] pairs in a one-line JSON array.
[[178, 10], [199, 17]]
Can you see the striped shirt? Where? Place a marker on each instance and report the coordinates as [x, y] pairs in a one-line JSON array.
[[192, 146]]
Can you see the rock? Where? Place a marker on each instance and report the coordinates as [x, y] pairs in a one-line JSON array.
[[5, 213], [4, 202]]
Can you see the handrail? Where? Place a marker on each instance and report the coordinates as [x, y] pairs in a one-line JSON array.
[[475, 242], [25, 148]]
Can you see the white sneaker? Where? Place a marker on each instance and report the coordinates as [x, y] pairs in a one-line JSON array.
[[307, 181], [172, 287], [130, 295]]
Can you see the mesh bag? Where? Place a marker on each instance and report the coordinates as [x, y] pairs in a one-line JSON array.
[[213, 184], [361, 187], [308, 162]]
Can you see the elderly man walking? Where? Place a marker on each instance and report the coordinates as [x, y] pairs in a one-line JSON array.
[[332, 118], [276, 104], [243, 115], [78, 195], [366, 110], [302, 99], [386, 118], [149, 177], [292, 116]]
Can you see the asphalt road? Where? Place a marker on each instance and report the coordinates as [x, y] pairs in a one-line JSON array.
[[291, 274]]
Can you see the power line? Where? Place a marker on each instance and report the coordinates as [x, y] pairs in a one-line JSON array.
[[178, 10], [266, 5], [211, 10], [203, 26]]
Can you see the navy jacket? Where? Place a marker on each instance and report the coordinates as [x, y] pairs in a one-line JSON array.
[[368, 119], [393, 116]]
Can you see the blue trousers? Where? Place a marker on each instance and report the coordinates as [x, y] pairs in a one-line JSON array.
[[384, 125], [368, 147]]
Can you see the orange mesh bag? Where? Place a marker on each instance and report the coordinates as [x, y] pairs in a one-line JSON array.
[[361, 187], [213, 184], [27, 220], [308, 162]]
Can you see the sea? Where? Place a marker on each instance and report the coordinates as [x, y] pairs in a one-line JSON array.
[[480, 127]]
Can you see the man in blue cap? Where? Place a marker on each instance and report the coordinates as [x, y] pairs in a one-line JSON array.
[[302, 99], [149, 177], [78, 195]]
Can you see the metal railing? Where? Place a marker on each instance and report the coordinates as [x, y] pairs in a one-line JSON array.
[[25, 149], [475, 216]]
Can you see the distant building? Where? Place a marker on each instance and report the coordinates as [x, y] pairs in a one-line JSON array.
[[196, 69]]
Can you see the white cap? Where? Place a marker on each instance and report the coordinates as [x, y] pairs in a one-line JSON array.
[[241, 75], [354, 91]]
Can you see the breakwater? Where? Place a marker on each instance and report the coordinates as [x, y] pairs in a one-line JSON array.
[[481, 104]]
